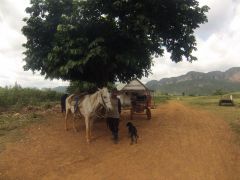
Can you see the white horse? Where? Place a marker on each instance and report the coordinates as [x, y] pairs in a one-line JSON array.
[[87, 106]]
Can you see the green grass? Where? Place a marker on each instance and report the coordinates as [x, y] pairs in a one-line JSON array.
[[11, 124], [161, 99], [231, 114], [17, 97]]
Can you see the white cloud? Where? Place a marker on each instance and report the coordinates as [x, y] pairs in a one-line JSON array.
[[219, 16], [11, 39], [218, 43]]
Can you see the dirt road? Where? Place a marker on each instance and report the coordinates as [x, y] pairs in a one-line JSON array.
[[178, 143]]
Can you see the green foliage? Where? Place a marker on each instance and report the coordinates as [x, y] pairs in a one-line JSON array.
[[18, 97], [191, 94], [102, 41], [77, 86], [197, 86], [161, 98], [219, 92], [81, 86]]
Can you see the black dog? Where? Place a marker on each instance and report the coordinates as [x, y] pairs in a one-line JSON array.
[[132, 130]]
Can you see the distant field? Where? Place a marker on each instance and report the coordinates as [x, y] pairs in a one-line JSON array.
[[15, 98], [161, 99]]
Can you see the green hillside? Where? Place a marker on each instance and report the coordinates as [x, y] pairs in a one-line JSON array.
[[197, 83], [199, 87]]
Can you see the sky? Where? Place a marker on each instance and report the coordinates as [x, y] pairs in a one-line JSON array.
[[218, 44]]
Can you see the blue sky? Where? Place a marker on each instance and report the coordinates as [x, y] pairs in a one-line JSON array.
[[218, 45]]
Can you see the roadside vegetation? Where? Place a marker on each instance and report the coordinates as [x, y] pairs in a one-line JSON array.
[[19, 107], [161, 98], [15, 98]]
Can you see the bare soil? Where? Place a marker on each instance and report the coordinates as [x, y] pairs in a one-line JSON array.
[[180, 142]]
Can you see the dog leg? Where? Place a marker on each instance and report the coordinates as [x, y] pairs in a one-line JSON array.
[[129, 134], [132, 139]]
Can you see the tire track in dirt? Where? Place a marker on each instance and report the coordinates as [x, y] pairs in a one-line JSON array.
[[223, 139], [180, 142], [214, 140]]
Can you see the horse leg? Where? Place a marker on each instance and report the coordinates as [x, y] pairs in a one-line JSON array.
[[87, 129], [66, 116], [74, 122], [90, 127]]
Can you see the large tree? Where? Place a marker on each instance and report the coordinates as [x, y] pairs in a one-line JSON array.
[[103, 41]]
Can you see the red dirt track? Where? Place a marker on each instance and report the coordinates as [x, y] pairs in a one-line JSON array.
[[180, 142]]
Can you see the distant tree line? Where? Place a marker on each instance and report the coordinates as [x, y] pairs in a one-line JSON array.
[[17, 96]]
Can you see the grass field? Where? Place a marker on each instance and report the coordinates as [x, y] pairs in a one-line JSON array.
[[11, 124], [15, 98], [161, 98], [231, 114], [17, 109]]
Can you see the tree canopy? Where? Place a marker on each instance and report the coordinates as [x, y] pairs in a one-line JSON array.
[[83, 86], [102, 41]]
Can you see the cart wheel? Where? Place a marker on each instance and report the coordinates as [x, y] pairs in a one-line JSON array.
[[131, 114], [148, 112]]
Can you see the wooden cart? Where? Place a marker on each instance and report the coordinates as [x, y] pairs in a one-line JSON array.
[[138, 98], [141, 105]]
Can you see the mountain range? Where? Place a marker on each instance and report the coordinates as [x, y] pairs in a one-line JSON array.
[[199, 83]]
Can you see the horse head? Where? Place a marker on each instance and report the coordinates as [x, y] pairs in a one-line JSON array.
[[106, 98]]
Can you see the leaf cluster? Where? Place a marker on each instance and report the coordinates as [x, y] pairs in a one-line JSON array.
[[102, 41]]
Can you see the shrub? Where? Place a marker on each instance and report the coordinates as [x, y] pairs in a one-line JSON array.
[[17, 97]]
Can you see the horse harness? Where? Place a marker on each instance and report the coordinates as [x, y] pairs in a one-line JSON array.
[[98, 112]]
